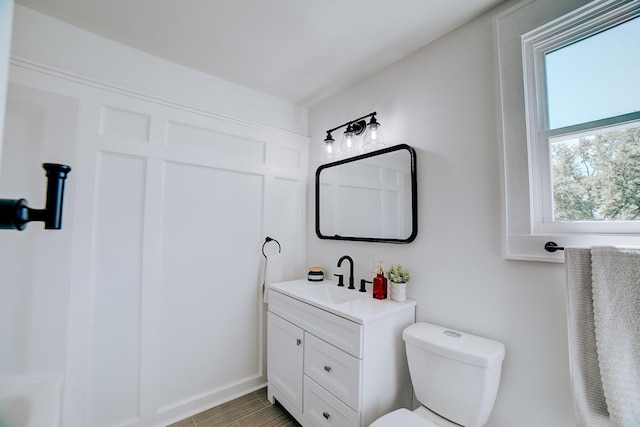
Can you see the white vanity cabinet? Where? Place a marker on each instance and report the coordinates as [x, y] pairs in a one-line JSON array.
[[333, 362]]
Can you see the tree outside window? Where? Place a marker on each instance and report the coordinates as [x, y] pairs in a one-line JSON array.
[[597, 177]]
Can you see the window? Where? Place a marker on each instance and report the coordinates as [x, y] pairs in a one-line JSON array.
[[584, 120], [578, 120]]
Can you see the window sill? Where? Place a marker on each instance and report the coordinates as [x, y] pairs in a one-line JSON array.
[[529, 247]]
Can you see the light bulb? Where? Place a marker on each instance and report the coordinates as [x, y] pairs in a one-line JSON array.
[[348, 136], [328, 142], [374, 130]]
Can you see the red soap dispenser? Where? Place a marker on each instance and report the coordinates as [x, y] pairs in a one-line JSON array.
[[380, 284]]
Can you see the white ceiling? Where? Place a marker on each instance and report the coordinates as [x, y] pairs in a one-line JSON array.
[[299, 50]]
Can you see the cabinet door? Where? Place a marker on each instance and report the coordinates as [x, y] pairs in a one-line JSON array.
[[285, 352]]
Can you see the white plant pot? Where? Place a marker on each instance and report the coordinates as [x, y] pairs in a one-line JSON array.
[[398, 291]]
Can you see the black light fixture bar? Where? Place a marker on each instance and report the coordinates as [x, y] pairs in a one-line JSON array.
[[352, 122]]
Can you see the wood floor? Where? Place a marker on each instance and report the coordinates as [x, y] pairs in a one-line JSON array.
[[251, 410]]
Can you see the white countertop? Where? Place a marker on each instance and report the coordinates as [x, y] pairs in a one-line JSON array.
[[359, 307]]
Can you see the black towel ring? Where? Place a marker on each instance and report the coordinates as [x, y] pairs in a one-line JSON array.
[[267, 240]]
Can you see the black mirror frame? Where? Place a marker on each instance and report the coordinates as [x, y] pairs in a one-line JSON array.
[[414, 196]]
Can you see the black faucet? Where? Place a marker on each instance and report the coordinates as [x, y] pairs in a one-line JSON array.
[[347, 257]]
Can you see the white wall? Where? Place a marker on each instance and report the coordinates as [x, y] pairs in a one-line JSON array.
[[443, 101], [157, 303], [6, 21]]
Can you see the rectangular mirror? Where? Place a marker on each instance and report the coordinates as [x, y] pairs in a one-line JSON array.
[[370, 198]]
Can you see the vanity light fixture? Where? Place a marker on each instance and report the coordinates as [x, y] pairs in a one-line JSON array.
[[372, 139]]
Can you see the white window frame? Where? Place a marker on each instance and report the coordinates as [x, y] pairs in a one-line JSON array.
[[524, 34]]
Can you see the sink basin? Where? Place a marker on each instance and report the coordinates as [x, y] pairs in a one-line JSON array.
[[350, 304], [331, 294]]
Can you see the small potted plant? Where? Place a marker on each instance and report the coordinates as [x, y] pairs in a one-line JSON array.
[[398, 276]]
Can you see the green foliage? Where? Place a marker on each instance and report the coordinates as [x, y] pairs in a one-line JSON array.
[[398, 274], [598, 177]]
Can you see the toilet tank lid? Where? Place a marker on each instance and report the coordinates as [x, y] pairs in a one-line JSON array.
[[456, 345]]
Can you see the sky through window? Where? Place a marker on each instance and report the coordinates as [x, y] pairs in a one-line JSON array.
[[596, 77]]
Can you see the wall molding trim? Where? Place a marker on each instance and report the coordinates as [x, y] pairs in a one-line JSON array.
[[30, 64]]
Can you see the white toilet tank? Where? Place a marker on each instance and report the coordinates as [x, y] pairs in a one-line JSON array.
[[454, 374]]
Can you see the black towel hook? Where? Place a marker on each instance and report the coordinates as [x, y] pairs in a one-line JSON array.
[[267, 240]]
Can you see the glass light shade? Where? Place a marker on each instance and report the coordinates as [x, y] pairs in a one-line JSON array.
[[328, 153], [373, 139], [347, 145]]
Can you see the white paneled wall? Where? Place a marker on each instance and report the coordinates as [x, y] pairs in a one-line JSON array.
[[212, 220], [170, 211], [115, 307]]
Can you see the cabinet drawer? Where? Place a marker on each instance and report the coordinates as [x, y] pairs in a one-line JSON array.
[[323, 409], [333, 369], [343, 333]]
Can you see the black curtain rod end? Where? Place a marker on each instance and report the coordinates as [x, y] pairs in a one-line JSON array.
[[552, 247]]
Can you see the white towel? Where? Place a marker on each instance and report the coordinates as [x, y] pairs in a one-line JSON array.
[[589, 402], [272, 273], [616, 308]]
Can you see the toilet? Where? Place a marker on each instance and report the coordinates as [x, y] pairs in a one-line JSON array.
[[455, 377]]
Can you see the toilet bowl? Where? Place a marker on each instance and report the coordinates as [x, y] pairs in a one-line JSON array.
[[455, 377], [421, 417]]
